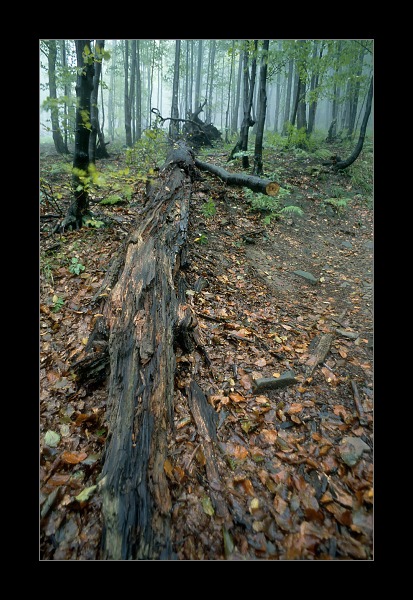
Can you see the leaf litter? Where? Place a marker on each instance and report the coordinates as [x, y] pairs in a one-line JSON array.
[[295, 462]]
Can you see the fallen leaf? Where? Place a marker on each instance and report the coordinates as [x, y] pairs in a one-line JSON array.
[[245, 381], [86, 493], [261, 362], [269, 435], [51, 438], [167, 467], [73, 458], [207, 506], [235, 397], [294, 408]]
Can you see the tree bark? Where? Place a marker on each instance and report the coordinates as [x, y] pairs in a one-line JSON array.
[[343, 164], [96, 133], [256, 184], [247, 122], [80, 204], [262, 109], [60, 145], [141, 322]]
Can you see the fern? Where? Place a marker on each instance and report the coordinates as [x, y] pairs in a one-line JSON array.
[[293, 211]]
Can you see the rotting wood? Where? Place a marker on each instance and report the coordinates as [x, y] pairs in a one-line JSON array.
[[254, 183], [358, 404], [205, 418], [319, 355], [141, 316]]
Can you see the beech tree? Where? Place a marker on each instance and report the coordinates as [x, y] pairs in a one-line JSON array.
[[262, 109], [79, 207], [59, 143], [249, 85]]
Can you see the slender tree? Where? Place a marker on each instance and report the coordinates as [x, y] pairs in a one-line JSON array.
[[237, 95], [198, 77], [79, 207], [174, 125], [247, 122], [262, 109], [128, 115], [61, 147], [288, 96], [96, 132], [138, 93], [343, 164]]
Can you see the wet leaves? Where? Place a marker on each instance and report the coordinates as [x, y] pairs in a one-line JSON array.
[[296, 471]]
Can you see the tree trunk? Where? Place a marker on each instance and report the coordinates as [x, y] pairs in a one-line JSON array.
[[234, 121], [197, 98], [247, 122], [138, 93], [94, 111], [256, 184], [142, 320], [288, 96], [128, 116], [262, 109], [343, 164], [59, 144], [174, 125], [80, 205]]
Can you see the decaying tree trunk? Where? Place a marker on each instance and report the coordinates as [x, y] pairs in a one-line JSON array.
[[137, 332], [254, 183], [132, 346], [199, 133]]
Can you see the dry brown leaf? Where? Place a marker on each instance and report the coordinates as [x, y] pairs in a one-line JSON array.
[[59, 479], [261, 362], [269, 435], [295, 408], [73, 458], [167, 467], [245, 381], [236, 397]]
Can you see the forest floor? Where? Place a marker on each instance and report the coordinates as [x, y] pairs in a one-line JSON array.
[[296, 462]]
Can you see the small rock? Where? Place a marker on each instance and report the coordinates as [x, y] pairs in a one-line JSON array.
[[351, 450], [310, 278]]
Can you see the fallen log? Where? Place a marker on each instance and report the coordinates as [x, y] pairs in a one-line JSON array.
[[141, 319], [134, 338], [254, 183]]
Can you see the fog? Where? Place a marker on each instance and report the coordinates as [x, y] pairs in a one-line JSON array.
[[212, 69]]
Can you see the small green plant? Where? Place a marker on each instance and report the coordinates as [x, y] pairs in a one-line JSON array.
[[57, 303], [202, 239], [271, 205], [339, 205], [92, 222], [209, 209], [76, 266], [113, 199]]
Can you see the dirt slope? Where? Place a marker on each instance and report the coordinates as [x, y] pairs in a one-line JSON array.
[[295, 463]]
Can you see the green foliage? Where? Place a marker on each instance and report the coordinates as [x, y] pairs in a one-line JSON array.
[[243, 153], [339, 205], [147, 154], [361, 174], [298, 138], [209, 209], [89, 221], [57, 303], [76, 266], [202, 239], [114, 199], [271, 205]]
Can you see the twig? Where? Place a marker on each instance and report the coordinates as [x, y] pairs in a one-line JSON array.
[[357, 402]]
